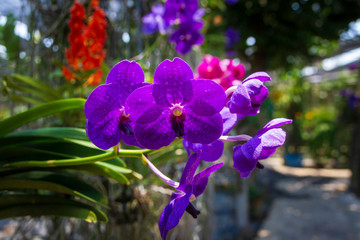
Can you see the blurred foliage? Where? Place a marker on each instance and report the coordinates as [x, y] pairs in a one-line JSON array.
[[286, 32], [8, 38], [317, 109]]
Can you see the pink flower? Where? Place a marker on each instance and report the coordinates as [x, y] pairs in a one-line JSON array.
[[225, 72]]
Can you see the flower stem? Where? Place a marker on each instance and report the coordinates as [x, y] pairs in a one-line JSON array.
[[79, 161], [242, 137], [159, 174], [149, 50]]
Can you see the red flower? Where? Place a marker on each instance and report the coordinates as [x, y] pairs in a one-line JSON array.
[[68, 74], [86, 51], [95, 78]]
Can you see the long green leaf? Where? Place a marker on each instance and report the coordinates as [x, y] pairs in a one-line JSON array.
[[37, 84], [52, 183], [33, 91], [64, 180], [18, 120], [11, 148], [59, 132], [116, 161], [37, 205], [102, 170], [114, 167], [15, 154], [118, 169], [25, 99]]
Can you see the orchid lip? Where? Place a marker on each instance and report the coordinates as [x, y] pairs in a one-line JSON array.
[[192, 210], [177, 119], [125, 123]]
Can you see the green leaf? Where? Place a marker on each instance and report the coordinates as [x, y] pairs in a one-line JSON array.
[[62, 162], [37, 84], [39, 93], [36, 205], [117, 161], [16, 153], [59, 132], [18, 120], [29, 141], [114, 167], [54, 182], [25, 99], [104, 170]]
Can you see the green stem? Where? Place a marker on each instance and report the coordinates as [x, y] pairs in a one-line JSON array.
[[149, 49], [79, 161]]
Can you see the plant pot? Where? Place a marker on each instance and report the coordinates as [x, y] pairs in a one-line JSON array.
[[293, 159]]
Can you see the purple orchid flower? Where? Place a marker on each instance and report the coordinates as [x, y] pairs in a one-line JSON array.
[[213, 151], [180, 11], [154, 21], [176, 105], [107, 122], [263, 145], [186, 36], [189, 189], [248, 95], [232, 37]]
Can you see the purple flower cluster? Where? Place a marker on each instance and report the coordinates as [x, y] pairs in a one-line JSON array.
[[353, 99], [247, 96], [190, 187], [181, 19], [175, 105], [232, 37], [263, 145]]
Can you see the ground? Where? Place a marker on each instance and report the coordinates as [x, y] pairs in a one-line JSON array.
[[310, 204]]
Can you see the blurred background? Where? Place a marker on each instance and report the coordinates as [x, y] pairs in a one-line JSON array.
[[310, 48]]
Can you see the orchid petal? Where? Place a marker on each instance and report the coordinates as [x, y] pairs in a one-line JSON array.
[[172, 213], [209, 152], [201, 179], [240, 101], [213, 151], [241, 163], [105, 134], [208, 98], [155, 134], [188, 174], [150, 24], [128, 74], [275, 123], [178, 210], [273, 138], [173, 74], [200, 129], [229, 120], [141, 106], [102, 100], [256, 90], [261, 76]]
